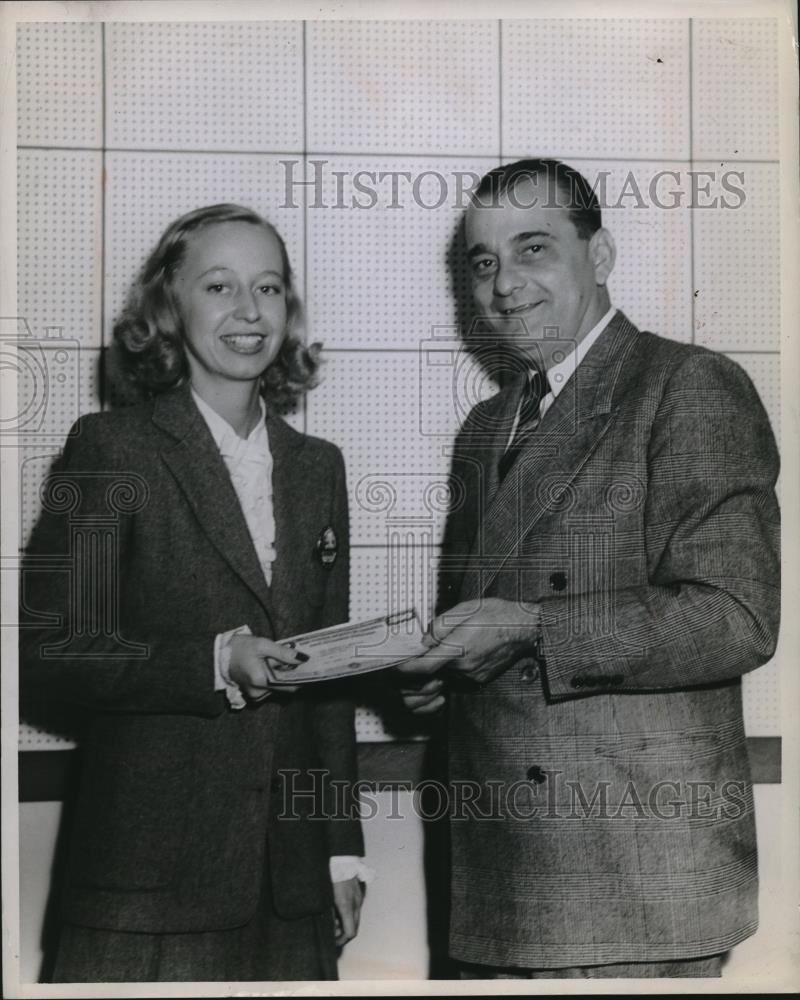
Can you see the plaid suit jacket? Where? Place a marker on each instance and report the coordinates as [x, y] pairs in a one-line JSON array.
[[603, 808], [180, 803]]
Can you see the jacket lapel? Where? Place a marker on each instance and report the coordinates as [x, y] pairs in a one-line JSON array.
[[200, 471], [570, 431], [475, 460], [297, 493]]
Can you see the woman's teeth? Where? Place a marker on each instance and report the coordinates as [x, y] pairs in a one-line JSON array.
[[244, 341]]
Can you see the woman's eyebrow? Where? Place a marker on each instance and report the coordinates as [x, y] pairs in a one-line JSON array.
[[223, 267], [216, 267]]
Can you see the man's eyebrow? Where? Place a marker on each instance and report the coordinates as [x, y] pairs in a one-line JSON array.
[[537, 233], [477, 250]]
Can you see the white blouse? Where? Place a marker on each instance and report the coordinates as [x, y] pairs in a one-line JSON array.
[[249, 462]]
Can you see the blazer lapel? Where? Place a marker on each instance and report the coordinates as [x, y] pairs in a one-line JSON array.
[[475, 461], [570, 431], [297, 488], [200, 471]]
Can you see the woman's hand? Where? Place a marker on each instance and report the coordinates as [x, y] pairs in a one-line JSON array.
[[248, 669], [347, 899]]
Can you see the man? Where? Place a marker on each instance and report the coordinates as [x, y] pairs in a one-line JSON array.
[[611, 571]]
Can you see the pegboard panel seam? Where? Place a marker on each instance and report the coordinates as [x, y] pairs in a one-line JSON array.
[[371, 350], [405, 154], [103, 189], [692, 270], [500, 87], [86, 148], [304, 240]]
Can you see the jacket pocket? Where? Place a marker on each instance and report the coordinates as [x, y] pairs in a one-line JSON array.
[[134, 805]]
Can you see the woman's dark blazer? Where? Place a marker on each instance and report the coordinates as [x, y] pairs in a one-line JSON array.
[[141, 557]]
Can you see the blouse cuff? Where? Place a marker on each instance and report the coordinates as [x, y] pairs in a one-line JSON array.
[[222, 662], [347, 866]]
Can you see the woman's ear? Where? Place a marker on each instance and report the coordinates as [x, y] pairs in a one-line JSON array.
[[603, 252]]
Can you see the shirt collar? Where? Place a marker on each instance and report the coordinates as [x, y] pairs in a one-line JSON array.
[[225, 437], [559, 374]]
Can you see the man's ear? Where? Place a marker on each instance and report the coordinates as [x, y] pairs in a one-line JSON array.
[[603, 253]]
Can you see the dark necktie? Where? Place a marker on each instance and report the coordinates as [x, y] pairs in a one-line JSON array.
[[535, 389]]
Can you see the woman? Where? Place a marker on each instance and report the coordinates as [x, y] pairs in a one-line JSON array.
[[191, 527]]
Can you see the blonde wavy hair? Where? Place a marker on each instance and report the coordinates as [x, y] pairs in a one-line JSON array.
[[150, 354]]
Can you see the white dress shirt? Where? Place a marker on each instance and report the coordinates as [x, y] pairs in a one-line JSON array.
[[560, 374]]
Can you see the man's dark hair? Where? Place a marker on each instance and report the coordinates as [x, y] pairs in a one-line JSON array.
[[571, 190]]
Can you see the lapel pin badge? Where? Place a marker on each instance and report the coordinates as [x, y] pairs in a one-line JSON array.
[[327, 547]]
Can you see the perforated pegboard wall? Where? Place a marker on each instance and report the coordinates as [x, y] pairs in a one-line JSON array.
[[737, 263], [396, 439], [403, 87], [201, 113], [383, 272], [616, 89], [735, 87], [221, 86], [59, 84], [59, 257]]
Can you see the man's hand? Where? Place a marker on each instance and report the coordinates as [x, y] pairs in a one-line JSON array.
[[478, 640], [425, 698], [247, 668], [347, 899]]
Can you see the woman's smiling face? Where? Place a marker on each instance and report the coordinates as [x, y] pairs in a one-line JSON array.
[[230, 291]]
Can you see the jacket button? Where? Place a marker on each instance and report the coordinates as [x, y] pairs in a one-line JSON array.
[[536, 774], [529, 673], [558, 581]]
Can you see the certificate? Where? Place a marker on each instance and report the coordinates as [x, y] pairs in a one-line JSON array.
[[352, 649]]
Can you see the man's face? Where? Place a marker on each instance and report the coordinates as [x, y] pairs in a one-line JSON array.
[[532, 274]]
